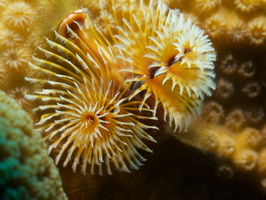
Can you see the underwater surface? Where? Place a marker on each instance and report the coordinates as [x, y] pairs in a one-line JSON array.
[[109, 100]]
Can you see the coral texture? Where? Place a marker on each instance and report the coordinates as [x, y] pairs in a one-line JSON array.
[[228, 22], [27, 172], [15, 52], [233, 119]]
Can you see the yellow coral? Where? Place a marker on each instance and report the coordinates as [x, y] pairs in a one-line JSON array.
[[239, 21], [215, 26], [18, 15], [235, 119], [257, 30], [227, 145], [16, 88], [213, 112], [9, 38], [246, 159], [205, 7], [247, 6], [237, 30], [15, 57]]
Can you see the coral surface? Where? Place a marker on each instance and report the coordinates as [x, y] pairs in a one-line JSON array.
[[233, 119], [27, 172]]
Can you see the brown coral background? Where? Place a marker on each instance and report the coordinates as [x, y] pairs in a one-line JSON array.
[[173, 171]]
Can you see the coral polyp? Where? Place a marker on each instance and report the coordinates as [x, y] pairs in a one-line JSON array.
[[257, 30], [18, 14], [247, 6], [10, 38], [15, 57], [204, 6]]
